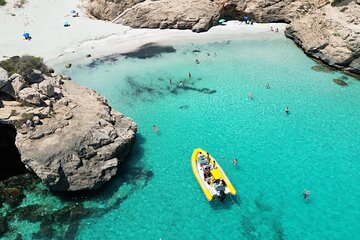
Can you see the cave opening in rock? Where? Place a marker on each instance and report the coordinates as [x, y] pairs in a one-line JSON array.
[[10, 159]]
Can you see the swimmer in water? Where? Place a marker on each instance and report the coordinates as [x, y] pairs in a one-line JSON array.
[[197, 61], [287, 111], [181, 84], [306, 194], [250, 96], [235, 161], [189, 75], [267, 85], [170, 81], [155, 128]]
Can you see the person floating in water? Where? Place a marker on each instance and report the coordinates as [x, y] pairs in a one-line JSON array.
[[208, 54], [277, 30], [189, 75], [287, 111], [155, 128], [197, 61], [306, 194], [181, 84], [170, 81], [267, 85], [271, 29], [250, 96], [235, 161]]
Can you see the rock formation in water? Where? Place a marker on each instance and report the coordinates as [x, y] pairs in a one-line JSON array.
[[331, 34], [67, 134], [328, 31]]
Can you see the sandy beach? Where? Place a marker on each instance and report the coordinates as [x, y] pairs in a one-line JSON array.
[[43, 19]]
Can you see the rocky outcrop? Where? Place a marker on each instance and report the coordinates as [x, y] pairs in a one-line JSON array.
[[109, 9], [331, 34], [199, 15], [67, 134]]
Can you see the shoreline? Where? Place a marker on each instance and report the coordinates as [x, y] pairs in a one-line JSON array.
[[73, 43]]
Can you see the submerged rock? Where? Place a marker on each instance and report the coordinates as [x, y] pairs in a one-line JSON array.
[[12, 196], [340, 82]]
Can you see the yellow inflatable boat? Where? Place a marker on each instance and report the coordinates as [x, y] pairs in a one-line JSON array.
[[208, 172]]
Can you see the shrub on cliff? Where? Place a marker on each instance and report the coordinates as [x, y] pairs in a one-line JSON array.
[[2, 2], [24, 65]]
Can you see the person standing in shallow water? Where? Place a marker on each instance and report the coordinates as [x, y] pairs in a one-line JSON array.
[[155, 128], [181, 84], [170, 81], [287, 111], [235, 161], [189, 75], [306, 194], [250, 96]]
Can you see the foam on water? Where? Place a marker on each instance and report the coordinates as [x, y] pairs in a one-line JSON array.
[[316, 146]]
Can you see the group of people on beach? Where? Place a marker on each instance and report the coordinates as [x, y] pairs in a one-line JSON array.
[[272, 29]]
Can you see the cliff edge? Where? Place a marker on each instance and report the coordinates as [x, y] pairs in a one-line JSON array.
[[67, 134]]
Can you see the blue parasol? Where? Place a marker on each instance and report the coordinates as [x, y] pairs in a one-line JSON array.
[[26, 35], [246, 18], [66, 23]]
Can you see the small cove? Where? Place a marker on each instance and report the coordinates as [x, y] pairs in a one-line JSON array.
[[316, 146]]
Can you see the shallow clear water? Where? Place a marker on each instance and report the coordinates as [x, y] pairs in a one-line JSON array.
[[315, 147]]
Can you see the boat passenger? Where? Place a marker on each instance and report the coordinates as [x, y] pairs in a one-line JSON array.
[[207, 175], [202, 159]]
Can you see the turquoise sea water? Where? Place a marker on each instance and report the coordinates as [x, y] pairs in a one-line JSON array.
[[315, 147]]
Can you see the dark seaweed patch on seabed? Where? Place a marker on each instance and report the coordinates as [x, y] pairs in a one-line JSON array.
[[149, 50]]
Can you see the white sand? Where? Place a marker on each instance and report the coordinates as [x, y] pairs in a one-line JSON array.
[[43, 19]]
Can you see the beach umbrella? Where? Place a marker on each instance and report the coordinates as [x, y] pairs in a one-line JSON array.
[[26, 35], [66, 23], [221, 20]]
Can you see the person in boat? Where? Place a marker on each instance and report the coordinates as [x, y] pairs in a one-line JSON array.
[[207, 175], [219, 185], [202, 159]]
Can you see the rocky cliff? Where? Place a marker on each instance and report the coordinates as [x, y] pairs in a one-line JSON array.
[[327, 30], [331, 34], [67, 134]]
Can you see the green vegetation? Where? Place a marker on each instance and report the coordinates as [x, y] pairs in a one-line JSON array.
[[2, 2], [24, 65], [337, 2], [24, 118]]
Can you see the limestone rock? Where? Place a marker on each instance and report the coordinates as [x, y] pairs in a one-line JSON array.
[[30, 95], [35, 76], [340, 82], [47, 88], [13, 196], [81, 153], [329, 34], [8, 90], [198, 15], [17, 82], [3, 77]]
